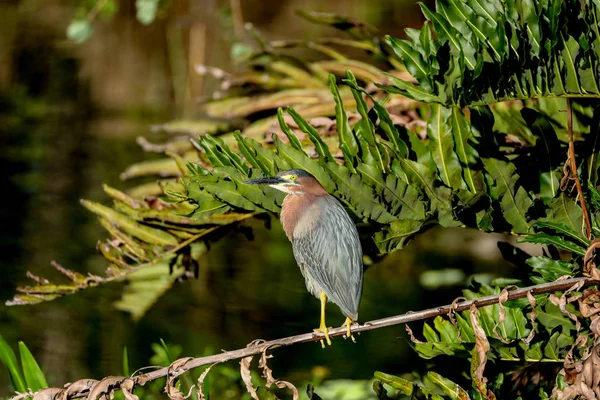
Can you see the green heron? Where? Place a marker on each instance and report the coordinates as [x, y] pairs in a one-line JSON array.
[[325, 243]]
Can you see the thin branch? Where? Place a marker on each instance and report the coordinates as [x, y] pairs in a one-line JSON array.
[[258, 347], [573, 168]]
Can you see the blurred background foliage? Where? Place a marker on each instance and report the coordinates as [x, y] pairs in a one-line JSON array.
[[70, 114]]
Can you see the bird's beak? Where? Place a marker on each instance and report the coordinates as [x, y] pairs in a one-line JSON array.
[[266, 181]]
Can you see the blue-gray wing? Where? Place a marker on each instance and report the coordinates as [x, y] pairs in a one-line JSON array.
[[327, 249]]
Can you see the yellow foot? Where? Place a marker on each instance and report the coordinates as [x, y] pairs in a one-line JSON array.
[[325, 331], [348, 324]]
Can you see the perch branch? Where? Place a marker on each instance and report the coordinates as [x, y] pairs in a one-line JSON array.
[[78, 389]]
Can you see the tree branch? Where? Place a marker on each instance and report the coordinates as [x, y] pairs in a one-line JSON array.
[[573, 167], [95, 388]]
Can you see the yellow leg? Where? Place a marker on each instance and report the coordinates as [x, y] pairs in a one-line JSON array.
[[322, 327], [348, 323]]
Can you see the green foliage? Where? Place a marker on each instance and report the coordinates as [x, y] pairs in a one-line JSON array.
[[34, 377], [9, 359], [485, 52], [29, 376]]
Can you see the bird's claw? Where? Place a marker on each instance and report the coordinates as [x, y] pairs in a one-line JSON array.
[[348, 324], [325, 331]]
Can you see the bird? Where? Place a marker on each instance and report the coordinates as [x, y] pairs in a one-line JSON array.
[[325, 243]]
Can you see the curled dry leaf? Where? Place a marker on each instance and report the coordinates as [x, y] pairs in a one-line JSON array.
[[48, 394], [78, 387], [482, 346], [127, 389], [22, 396], [175, 369], [589, 303], [585, 378], [562, 301], [268, 374], [105, 387], [451, 312], [532, 317], [412, 336], [201, 378], [247, 376], [501, 300], [589, 264]]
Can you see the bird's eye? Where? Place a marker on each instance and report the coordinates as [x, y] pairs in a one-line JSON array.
[[293, 177]]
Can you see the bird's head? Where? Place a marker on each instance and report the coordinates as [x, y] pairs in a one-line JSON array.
[[293, 181]]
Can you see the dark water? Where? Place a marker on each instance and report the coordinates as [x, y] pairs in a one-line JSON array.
[[59, 144]]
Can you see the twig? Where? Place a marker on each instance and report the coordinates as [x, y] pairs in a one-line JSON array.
[[186, 364], [573, 167]]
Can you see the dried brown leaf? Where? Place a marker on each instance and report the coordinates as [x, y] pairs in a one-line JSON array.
[[562, 301], [22, 396], [48, 394], [451, 312], [39, 280], [268, 374], [482, 346], [127, 389], [589, 264], [174, 370], [105, 387], [532, 317], [78, 387], [199, 390], [502, 298], [412, 336], [247, 376]]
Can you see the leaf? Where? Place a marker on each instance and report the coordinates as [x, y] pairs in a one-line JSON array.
[[425, 178], [548, 151], [125, 361], [250, 155], [34, 377], [145, 287], [564, 213], [359, 195], [365, 129], [550, 269], [514, 200], [551, 317], [442, 147], [407, 387], [130, 226], [396, 234], [544, 238], [415, 64], [8, 358], [408, 89], [226, 191], [348, 143], [569, 54], [449, 388], [563, 229], [263, 199], [593, 160], [445, 32], [467, 155], [320, 146], [294, 142], [557, 346]]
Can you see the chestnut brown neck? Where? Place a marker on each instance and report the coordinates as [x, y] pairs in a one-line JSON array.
[[299, 202]]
